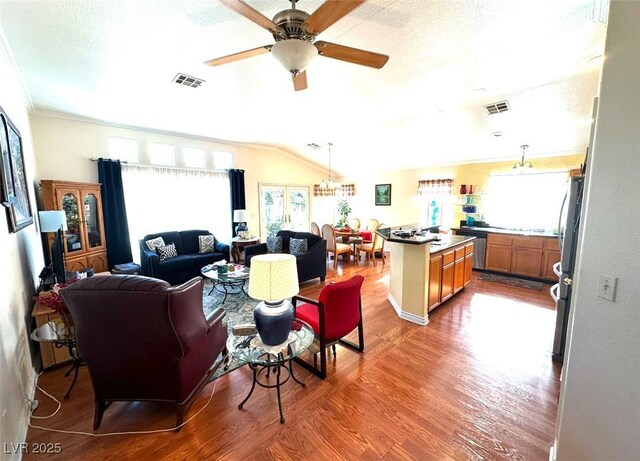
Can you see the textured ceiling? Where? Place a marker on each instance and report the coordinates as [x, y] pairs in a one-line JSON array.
[[114, 61]]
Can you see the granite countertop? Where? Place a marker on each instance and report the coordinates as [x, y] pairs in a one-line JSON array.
[[387, 233], [498, 230], [447, 241]]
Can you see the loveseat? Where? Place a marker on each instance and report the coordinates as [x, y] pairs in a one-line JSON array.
[[311, 264], [188, 262]]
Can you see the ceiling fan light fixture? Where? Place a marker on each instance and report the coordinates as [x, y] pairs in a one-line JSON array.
[[294, 54]]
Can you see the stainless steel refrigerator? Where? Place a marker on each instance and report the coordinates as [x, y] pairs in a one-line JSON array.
[[568, 226]]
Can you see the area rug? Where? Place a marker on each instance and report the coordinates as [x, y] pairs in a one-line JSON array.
[[512, 281], [239, 309]]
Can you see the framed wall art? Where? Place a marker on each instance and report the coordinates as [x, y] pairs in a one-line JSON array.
[[15, 193], [383, 194]]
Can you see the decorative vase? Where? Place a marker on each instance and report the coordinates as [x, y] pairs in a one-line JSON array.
[[463, 189], [242, 227], [273, 321]]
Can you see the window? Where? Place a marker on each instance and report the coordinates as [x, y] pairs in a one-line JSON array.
[[193, 157], [222, 160], [162, 154], [125, 150], [525, 201], [161, 199]]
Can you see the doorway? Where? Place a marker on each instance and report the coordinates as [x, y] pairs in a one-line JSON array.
[[283, 208]]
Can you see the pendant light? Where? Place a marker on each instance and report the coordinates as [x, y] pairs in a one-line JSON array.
[[521, 165]]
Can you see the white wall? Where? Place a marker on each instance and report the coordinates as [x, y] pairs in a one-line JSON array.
[[599, 412], [64, 146], [21, 261]]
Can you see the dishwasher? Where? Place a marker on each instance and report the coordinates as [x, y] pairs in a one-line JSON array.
[[480, 245]]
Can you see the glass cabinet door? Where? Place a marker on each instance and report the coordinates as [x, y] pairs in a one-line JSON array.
[[92, 221], [72, 236]]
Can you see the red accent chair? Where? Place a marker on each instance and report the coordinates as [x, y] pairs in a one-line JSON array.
[[336, 313], [145, 340]]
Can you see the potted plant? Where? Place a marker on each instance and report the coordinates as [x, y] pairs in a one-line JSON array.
[[343, 210]]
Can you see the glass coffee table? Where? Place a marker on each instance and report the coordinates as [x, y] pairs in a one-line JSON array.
[[266, 360], [231, 282]]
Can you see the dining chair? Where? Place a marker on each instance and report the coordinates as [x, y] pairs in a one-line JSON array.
[[373, 224], [315, 229], [354, 223], [334, 246], [335, 314], [370, 249]]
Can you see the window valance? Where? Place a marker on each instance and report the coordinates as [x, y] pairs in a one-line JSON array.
[[435, 186], [345, 190]]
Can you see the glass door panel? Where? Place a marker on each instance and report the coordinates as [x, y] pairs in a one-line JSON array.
[[92, 221], [72, 235], [298, 208], [272, 210]]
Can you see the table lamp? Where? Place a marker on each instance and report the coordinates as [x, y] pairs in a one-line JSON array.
[[273, 278], [55, 221], [241, 217]]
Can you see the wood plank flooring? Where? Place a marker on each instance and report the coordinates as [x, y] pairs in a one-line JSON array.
[[476, 383]]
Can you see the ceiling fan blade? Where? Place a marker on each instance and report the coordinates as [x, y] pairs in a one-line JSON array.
[[300, 81], [353, 55], [250, 13], [238, 56], [328, 13]]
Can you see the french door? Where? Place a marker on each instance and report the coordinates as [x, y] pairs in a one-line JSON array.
[[283, 207]]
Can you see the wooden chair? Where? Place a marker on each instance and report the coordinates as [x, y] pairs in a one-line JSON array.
[[373, 224], [315, 229], [354, 223], [377, 245], [336, 313], [333, 246]]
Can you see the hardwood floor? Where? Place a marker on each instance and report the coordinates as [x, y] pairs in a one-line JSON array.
[[476, 383]]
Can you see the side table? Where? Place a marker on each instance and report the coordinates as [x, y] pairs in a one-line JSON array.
[[50, 354], [263, 360], [237, 244]]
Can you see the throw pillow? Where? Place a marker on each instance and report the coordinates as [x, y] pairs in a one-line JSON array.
[[206, 243], [167, 251], [274, 244], [155, 243], [297, 246]]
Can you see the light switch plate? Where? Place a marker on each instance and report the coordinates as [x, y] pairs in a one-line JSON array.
[[607, 287]]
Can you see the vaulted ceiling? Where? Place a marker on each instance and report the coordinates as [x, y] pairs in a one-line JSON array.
[[114, 61]]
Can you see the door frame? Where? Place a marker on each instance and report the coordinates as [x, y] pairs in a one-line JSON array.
[[285, 187]]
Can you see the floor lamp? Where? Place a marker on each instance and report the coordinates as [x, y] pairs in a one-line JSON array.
[[55, 221]]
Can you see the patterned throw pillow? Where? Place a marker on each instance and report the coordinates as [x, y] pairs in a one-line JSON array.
[[167, 251], [206, 243], [155, 243], [274, 244], [297, 246]]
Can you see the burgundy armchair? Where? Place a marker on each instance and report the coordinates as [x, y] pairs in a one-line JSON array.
[[144, 340], [336, 313]]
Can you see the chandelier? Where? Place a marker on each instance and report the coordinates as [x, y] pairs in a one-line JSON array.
[[329, 183], [521, 165]]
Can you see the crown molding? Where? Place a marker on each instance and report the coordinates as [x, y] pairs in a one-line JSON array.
[[5, 49], [93, 121]]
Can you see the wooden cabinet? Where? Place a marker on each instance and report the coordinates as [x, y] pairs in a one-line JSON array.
[[468, 268], [458, 271], [498, 256], [446, 290], [50, 354], [435, 281], [84, 239], [550, 257]]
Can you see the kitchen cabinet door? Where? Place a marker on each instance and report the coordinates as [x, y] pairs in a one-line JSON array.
[[526, 261], [458, 277], [498, 258], [549, 259], [468, 268], [447, 282], [435, 279]]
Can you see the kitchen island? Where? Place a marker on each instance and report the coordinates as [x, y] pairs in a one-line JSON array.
[[425, 270]]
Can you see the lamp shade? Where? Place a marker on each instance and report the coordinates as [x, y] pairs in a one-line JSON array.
[[273, 277], [52, 221], [294, 54], [240, 216]]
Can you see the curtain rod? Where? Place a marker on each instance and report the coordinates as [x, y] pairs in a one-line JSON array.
[[168, 167]]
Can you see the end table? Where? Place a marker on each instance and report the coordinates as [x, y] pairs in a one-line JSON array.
[[237, 244]]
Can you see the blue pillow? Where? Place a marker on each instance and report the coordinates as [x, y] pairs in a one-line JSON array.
[[274, 244], [297, 246]]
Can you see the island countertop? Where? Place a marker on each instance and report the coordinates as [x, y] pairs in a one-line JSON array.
[[447, 241], [418, 238]]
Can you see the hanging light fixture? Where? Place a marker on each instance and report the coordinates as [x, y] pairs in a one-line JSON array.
[[521, 165], [328, 183]]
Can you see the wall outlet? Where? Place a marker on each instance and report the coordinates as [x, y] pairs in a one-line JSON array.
[[607, 287]]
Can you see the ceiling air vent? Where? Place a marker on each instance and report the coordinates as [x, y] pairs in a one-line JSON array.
[[497, 107], [193, 82]]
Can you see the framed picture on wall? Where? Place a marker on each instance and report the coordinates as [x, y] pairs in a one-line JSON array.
[[14, 182], [383, 194]]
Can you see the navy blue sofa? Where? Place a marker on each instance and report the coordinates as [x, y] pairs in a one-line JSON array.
[[187, 264]]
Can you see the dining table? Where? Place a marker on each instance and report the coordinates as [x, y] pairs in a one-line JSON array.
[[354, 238]]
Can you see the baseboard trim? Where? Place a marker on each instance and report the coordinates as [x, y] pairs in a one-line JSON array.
[[407, 315]]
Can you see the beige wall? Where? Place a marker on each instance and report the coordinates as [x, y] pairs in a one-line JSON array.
[[21, 261], [405, 208], [64, 146]]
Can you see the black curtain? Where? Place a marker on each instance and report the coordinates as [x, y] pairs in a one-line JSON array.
[[236, 180], [116, 226]]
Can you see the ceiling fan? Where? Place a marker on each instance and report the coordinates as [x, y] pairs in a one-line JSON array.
[[295, 32]]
